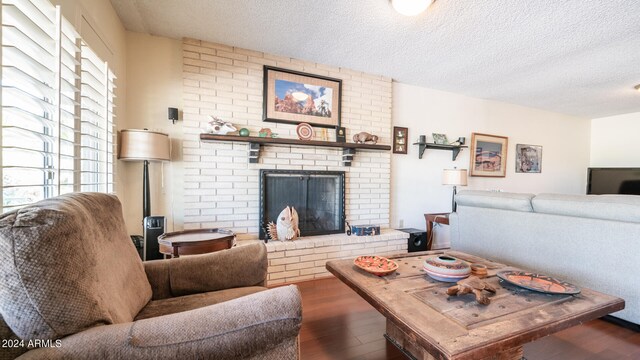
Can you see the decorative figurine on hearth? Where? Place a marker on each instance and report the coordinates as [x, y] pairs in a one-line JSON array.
[[286, 227], [219, 127], [363, 137]]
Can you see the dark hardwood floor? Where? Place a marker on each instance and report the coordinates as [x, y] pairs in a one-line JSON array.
[[339, 324]]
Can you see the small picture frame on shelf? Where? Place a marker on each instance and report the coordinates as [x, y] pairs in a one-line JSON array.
[[400, 137], [440, 139], [341, 135]]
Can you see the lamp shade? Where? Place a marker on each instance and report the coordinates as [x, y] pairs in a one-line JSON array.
[[410, 7], [136, 145], [454, 177]]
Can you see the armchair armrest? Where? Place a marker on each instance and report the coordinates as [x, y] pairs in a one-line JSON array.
[[236, 329], [237, 267]]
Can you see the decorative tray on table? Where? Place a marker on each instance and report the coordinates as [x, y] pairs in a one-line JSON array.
[[540, 283], [376, 265]]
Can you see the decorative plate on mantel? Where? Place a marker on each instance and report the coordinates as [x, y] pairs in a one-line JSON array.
[[540, 283], [304, 131]]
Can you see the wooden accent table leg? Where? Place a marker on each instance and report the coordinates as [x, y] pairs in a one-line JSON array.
[[404, 342], [429, 234], [439, 218], [408, 346], [429, 220]]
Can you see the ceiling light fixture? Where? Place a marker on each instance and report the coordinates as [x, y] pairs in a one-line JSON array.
[[637, 87], [411, 7]]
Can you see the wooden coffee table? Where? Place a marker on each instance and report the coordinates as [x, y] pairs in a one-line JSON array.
[[425, 323]]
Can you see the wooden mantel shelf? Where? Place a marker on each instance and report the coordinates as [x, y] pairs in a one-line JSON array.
[[283, 141], [348, 149]]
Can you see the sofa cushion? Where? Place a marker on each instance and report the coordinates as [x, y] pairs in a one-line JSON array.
[[606, 207], [195, 301], [495, 200], [67, 264]]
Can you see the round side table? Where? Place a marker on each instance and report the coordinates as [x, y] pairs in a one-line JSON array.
[[193, 242]]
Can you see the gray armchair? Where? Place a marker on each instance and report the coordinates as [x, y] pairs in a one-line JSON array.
[[75, 277]]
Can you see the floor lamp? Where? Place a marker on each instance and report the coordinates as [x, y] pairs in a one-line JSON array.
[[455, 177], [144, 145]]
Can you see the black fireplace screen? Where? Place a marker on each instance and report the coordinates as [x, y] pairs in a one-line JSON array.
[[318, 197]]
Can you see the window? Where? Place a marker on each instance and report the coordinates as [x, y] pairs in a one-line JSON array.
[[97, 146], [57, 108]]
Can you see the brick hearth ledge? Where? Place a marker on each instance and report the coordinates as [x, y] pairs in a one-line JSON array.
[[305, 258]]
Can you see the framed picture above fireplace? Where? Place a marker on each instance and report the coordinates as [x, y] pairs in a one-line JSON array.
[[295, 97]]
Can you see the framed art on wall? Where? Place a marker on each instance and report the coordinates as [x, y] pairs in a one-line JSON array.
[[400, 136], [528, 158], [295, 97], [488, 155]]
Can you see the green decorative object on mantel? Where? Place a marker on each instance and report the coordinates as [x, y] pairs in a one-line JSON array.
[[244, 132], [264, 132]]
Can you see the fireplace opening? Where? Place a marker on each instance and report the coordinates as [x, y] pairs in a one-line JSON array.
[[318, 197]]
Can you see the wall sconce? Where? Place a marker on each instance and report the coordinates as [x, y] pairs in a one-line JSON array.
[[173, 114]]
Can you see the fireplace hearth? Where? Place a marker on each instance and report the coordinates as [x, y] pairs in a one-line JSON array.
[[318, 197]]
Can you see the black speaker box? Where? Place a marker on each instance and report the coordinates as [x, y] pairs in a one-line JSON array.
[[417, 239], [153, 227]]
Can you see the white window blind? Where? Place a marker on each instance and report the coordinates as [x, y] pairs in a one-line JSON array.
[[97, 94], [55, 93], [111, 125], [29, 124], [69, 48]]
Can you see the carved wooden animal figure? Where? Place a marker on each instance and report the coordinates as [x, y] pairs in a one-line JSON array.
[[473, 285], [362, 137], [219, 127], [286, 227]]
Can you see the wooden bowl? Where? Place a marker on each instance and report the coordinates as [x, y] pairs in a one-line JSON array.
[[376, 265], [478, 270]]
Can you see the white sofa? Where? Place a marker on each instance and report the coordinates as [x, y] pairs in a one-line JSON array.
[[589, 240]]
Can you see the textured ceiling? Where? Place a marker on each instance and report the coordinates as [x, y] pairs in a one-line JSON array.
[[578, 57]]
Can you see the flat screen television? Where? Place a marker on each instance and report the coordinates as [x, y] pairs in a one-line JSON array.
[[613, 181]]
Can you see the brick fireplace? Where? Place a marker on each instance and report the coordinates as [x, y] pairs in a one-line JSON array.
[[222, 188]]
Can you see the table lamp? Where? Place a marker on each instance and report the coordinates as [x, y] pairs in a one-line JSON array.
[[144, 145], [455, 177]]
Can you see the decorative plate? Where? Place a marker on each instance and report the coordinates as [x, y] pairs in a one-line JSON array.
[[536, 282], [305, 131], [376, 265]]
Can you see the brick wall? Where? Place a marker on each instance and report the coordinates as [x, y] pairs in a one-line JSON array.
[[305, 259], [221, 187]]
